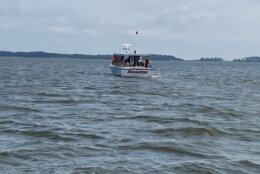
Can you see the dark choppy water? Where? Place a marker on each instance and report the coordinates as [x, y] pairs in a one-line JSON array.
[[72, 116]]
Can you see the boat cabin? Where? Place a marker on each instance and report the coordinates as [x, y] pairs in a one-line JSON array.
[[130, 60]]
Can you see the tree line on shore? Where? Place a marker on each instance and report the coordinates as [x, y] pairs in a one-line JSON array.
[[41, 54]]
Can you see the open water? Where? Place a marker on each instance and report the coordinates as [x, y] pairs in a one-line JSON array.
[[72, 116]]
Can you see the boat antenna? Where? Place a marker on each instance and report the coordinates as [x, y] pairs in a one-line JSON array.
[[126, 47], [137, 39]]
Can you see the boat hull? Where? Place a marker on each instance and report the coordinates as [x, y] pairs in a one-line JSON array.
[[131, 71]]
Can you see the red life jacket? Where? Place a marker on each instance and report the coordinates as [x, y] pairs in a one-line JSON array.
[[114, 59]]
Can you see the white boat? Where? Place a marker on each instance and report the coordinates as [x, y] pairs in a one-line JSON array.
[[131, 65]]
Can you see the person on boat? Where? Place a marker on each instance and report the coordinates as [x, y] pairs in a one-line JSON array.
[[147, 62], [114, 60], [140, 62], [135, 60], [120, 61], [127, 61]]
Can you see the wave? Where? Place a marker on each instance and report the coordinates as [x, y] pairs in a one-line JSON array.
[[17, 108], [58, 101], [5, 154], [206, 109], [196, 167], [48, 94], [245, 130], [189, 131], [168, 119], [250, 164], [7, 122], [147, 118], [86, 135], [14, 154], [164, 148], [46, 134], [101, 170]]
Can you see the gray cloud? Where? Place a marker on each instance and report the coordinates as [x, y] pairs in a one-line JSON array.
[[184, 28]]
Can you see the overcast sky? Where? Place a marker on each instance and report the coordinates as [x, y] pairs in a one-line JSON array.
[[188, 29]]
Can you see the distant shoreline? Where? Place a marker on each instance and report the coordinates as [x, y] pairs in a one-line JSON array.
[[41, 54]]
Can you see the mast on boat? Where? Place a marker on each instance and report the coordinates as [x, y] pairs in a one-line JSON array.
[[126, 47]]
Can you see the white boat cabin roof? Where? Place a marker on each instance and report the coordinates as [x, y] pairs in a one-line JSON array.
[[131, 55]]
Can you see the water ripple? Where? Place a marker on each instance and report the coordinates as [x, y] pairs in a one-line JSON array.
[[72, 116]]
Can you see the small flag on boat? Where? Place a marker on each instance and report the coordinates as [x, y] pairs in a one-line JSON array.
[[137, 32]]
